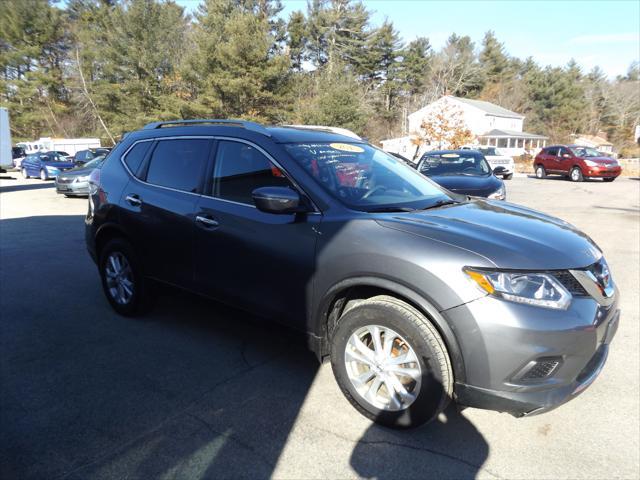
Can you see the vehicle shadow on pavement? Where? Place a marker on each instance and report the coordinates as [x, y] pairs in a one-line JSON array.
[[30, 186], [192, 389], [448, 447]]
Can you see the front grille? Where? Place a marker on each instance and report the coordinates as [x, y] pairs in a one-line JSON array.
[[541, 368], [570, 283], [65, 180]]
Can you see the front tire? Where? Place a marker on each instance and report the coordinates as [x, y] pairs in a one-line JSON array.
[[576, 175], [25, 175], [123, 282], [43, 175], [541, 172], [391, 363]]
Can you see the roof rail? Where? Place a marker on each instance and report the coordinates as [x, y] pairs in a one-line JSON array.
[[253, 126]]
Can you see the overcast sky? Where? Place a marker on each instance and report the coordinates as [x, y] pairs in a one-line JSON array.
[[604, 33]]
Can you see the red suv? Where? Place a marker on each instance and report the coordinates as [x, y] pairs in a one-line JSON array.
[[575, 162]]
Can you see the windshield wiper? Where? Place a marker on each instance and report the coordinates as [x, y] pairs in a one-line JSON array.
[[439, 203], [390, 208]]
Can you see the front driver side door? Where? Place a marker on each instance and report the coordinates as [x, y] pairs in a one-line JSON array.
[[261, 261]]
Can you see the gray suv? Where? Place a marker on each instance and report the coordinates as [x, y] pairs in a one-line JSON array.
[[417, 295]]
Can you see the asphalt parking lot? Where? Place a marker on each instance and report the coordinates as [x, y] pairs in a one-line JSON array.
[[198, 390]]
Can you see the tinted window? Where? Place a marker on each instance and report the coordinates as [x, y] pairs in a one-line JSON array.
[[178, 163], [563, 151], [240, 169], [134, 158], [552, 151]]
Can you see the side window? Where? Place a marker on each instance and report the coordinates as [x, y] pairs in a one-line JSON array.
[[179, 163], [563, 151], [134, 157], [553, 151], [240, 169]]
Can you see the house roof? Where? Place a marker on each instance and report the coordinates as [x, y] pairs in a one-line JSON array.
[[511, 134], [594, 139], [489, 108]]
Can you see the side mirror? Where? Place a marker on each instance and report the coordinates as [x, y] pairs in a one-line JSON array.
[[277, 200], [499, 170], [566, 155]]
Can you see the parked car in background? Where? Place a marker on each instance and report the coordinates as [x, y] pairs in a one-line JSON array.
[[463, 171], [84, 156], [75, 182], [575, 162], [497, 159], [17, 155], [45, 165], [417, 295]]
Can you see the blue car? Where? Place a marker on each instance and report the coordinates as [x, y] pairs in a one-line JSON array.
[[45, 165]]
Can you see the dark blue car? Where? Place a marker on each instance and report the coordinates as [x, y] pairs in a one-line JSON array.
[[463, 171], [45, 165]]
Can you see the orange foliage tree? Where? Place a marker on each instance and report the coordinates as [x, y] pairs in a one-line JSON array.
[[446, 128]]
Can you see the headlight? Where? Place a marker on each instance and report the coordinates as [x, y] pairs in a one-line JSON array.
[[51, 169], [591, 163], [83, 178], [499, 194], [540, 289]]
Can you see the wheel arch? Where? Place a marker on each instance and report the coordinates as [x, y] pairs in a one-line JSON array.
[[107, 232], [360, 288]]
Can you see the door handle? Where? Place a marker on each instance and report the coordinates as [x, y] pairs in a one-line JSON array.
[[133, 200], [206, 221]]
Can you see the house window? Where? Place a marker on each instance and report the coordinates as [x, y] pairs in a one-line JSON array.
[[521, 143], [502, 143]]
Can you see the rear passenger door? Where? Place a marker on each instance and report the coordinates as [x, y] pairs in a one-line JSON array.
[[158, 204], [551, 163], [260, 261]]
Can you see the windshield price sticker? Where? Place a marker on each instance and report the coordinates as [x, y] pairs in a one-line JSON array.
[[347, 147]]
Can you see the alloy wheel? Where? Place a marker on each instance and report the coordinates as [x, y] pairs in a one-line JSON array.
[[119, 277], [539, 173], [383, 368], [43, 175], [575, 175]]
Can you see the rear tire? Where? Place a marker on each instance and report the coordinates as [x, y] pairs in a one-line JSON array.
[[122, 278], [576, 175], [540, 172], [422, 385]]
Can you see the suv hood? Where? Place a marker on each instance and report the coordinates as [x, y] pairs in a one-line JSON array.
[[602, 160], [508, 235]]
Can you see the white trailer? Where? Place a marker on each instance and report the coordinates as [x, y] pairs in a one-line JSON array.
[[5, 138], [69, 145]]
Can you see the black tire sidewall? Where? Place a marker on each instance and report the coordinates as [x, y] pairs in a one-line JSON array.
[[135, 304], [430, 399]]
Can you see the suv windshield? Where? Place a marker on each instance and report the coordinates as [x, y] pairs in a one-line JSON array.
[[366, 178], [585, 152], [489, 152], [458, 163]]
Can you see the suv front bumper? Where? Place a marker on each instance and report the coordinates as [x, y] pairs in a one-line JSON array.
[[502, 341]]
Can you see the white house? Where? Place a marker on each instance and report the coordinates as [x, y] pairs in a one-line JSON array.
[[599, 142], [490, 124]]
